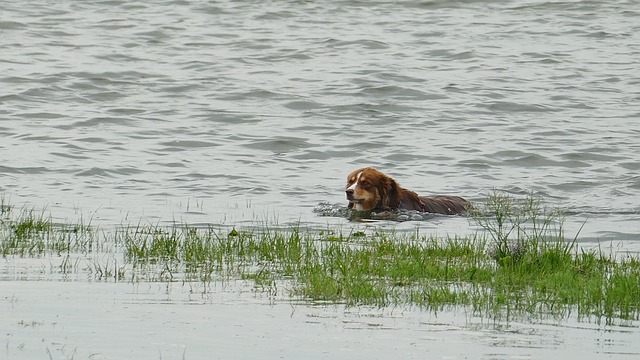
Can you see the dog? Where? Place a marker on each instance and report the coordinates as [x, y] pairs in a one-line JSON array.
[[369, 189]]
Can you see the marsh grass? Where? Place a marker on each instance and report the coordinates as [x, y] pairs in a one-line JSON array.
[[31, 233], [519, 266], [395, 269]]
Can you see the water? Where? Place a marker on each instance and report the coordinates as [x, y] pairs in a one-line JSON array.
[[121, 321], [232, 112]]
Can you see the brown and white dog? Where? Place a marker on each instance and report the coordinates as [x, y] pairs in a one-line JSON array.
[[369, 189]]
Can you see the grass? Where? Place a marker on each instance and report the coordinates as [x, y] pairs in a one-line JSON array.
[[29, 233], [520, 264]]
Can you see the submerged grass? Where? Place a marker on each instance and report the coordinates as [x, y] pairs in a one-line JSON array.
[[29, 233], [521, 265]]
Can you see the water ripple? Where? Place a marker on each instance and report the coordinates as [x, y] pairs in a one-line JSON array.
[[239, 102]]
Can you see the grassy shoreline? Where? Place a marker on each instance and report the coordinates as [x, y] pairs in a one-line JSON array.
[[520, 266]]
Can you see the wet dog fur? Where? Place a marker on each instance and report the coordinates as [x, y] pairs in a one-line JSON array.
[[369, 189]]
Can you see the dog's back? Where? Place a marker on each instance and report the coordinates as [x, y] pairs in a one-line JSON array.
[[445, 204]]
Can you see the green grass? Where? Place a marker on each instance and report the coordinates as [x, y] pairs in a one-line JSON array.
[[519, 266], [396, 269], [29, 233]]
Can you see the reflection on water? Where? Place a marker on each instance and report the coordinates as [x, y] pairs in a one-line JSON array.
[[401, 215]]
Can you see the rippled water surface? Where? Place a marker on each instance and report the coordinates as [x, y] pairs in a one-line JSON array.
[[231, 112]]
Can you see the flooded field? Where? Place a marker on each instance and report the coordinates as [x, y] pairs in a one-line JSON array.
[[72, 291], [236, 115]]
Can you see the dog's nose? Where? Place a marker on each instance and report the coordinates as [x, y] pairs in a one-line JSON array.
[[349, 191]]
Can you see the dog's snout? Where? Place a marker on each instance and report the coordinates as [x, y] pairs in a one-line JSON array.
[[349, 191]]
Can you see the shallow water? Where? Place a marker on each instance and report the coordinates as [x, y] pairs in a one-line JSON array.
[[65, 320], [237, 112]]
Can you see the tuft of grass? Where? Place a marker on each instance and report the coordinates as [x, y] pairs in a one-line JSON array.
[[522, 230], [31, 233]]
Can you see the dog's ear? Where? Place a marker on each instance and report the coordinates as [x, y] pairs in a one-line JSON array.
[[390, 194]]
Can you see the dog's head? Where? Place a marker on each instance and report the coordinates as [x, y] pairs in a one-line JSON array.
[[369, 189]]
